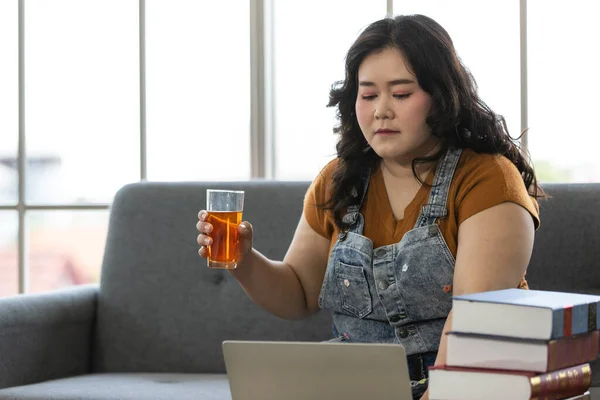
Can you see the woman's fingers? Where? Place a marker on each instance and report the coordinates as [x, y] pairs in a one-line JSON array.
[[204, 240], [204, 228]]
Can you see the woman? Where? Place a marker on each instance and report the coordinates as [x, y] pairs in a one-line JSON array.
[[428, 198]]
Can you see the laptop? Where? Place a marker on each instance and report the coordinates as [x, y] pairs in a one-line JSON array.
[[316, 370]]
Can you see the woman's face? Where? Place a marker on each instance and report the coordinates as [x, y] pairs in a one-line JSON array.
[[391, 108]]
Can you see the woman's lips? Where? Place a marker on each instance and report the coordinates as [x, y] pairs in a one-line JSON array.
[[385, 132]]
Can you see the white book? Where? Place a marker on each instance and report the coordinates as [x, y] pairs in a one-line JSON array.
[[460, 383], [526, 314], [499, 352]]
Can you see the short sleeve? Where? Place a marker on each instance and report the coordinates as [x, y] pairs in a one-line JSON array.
[[320, 220], [492, 180]]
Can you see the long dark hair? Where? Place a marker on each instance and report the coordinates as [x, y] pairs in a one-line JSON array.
[[459, 118]]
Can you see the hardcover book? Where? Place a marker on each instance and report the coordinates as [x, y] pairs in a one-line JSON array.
[[458, 383], [500, 352], [527, 314]]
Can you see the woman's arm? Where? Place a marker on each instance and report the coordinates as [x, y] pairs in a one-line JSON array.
[[494, 249], [288, 289]]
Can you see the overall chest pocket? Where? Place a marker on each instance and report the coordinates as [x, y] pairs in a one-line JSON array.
[[353, 287], [425, 271]]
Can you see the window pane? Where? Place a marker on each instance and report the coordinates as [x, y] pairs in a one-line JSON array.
[[486, 38], [563, 90], [65, 248], [309, 50], [9, 264], [198, 89], [9, 101], [82, 99]]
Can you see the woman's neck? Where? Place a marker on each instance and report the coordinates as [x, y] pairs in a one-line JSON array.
[[404, 170]]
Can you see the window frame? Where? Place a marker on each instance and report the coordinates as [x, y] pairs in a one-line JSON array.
[[262, 135]]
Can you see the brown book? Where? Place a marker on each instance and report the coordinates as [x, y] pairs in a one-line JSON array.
[[573, 350], [453, 383], [499, 352]]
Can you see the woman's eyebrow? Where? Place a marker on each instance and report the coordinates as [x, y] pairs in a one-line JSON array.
[[390, 83]]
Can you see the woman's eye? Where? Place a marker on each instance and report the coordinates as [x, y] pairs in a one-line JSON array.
[[369, 97], [402, 96]]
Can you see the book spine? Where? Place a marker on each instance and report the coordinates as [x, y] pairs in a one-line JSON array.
[[572, 320], [567, 352], [560, 384]]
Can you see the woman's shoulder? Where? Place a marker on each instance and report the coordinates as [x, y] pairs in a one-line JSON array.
[[473, 159], [474, 166], [484, 180], [329, 169], [322, 182], [319, 192], [320, 187]]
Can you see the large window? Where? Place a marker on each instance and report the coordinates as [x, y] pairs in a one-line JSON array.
[[9, 271], [486, 38], [118, 91], [309, 50], [9, 91], [81, 123], [9, 128], [65, 247], [81, 99], [563, 89], [198, 89]]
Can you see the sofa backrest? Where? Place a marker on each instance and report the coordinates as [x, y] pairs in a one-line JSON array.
[[160, 308], [566, 253]]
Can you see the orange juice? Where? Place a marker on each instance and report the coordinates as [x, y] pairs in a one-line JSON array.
[[223, 252]]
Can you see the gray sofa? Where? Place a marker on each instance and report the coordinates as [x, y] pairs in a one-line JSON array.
[[153, 327]]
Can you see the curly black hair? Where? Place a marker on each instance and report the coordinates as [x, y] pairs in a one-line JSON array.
[[459, 118]]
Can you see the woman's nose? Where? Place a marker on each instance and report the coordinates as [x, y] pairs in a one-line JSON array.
[[383, 110]]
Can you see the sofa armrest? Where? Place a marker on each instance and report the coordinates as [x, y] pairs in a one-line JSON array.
[[46, 336]]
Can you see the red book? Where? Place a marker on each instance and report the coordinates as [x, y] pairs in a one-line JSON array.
[[458, 383], [499, 352]]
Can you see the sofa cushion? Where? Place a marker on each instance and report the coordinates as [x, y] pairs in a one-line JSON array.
[[160, 309], [125, 387], [566, 253]]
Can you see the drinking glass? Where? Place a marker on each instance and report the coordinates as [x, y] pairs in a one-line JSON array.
[[224, 209]]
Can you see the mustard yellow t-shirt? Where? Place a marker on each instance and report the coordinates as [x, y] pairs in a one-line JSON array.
[[480, 181]]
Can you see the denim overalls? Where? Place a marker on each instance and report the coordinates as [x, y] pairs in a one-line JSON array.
[[399, 293]]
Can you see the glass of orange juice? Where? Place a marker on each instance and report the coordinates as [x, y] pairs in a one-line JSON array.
[[224, 209]]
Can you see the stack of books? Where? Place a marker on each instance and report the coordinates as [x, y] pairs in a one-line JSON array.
[[519, 344]]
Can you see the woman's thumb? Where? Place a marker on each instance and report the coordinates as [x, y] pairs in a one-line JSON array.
[[246, 231]]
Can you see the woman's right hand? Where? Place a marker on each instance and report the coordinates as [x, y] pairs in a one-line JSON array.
[[245, 233]]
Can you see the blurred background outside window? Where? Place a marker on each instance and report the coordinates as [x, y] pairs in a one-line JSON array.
[[82, 102]]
